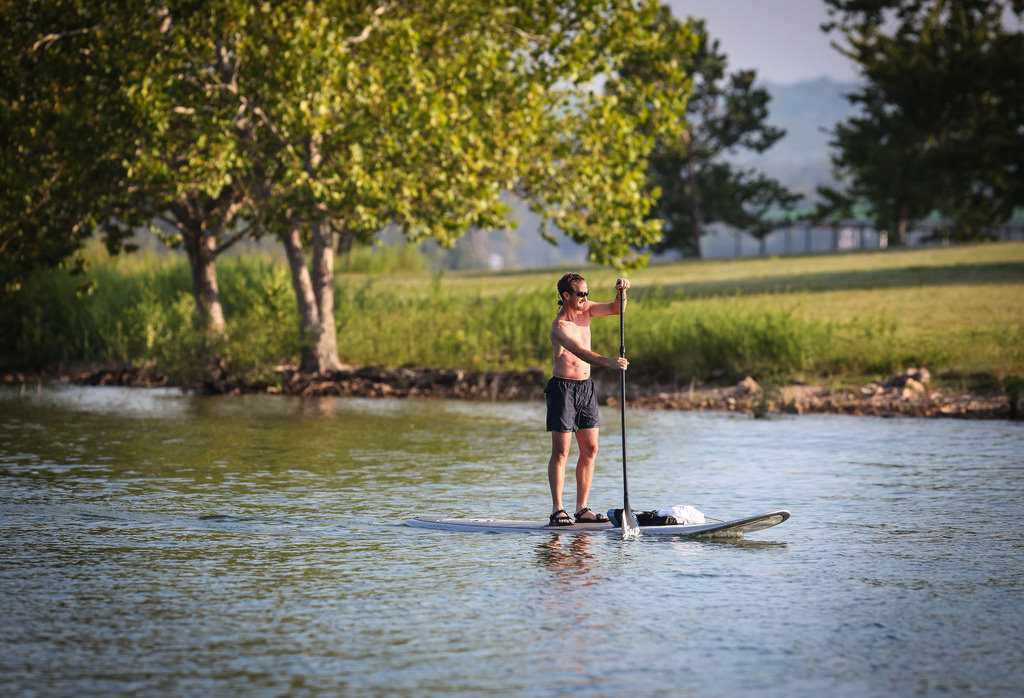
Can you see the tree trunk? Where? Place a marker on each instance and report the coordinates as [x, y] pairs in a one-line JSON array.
[[902, 226], [326, 346], [202, 250], [345, 244], [314, 297], [309, 315], [691, 175]]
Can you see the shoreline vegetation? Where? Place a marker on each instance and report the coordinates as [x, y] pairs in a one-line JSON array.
[[821, 333]]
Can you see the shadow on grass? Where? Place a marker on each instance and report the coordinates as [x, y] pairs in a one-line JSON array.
[[869, 279]]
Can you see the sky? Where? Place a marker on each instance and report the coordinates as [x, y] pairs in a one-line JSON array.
[[781, 39]]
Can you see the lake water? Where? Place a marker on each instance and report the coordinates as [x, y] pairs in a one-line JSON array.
[[155, 542]]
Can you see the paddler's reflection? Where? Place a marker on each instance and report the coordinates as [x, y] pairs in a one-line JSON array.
[[322, 406], [568, 554]]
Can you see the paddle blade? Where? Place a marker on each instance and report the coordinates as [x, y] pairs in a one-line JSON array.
[[630, 526]]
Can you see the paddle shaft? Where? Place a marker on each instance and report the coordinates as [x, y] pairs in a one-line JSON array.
[[622, 396]]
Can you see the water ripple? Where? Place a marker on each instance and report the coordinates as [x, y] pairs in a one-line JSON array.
[[159, 543]]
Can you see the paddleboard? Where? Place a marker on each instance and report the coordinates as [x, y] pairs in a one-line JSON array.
[[736, 527]]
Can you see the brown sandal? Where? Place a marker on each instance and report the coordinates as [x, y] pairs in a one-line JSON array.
[[560, 518], [594, 517]]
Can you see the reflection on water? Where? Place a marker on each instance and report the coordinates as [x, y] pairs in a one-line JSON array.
[[568, 558], [154, 542]]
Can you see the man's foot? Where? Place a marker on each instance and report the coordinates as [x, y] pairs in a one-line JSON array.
[[560, 518], [585, 515]]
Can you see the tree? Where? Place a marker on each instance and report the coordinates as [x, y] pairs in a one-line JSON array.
[[61, 157], [726, 112], [122, 117], [877, 157], [422, 116], [180, 65], [765, 204], [320, 121], [942, 123]]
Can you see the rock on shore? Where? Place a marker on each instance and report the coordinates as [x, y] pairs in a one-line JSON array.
[[908, 393], [909, 398]]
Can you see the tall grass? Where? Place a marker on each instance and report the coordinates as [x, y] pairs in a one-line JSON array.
[[140, 309], [146, 314], [377, 258]]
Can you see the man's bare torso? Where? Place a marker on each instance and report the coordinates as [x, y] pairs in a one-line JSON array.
[[566, 364]]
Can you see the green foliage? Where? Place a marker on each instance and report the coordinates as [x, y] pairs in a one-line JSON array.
[[421, 116], [443, 329], [139, 309], [377, 258], [217, 120], [222, 119], [63, 127], [725, 113], [357, 116], [687, 341], [110, 125], [940, 117]]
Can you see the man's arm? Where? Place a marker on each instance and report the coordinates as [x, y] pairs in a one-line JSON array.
[[613, 308], [559, 336], [599, 309]]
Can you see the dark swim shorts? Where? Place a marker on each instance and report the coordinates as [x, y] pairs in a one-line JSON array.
[[572, 404]]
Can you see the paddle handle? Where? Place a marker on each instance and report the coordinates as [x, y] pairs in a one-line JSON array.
[[622, 395]]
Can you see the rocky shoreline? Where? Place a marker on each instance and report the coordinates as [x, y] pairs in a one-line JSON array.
[[908, 394]]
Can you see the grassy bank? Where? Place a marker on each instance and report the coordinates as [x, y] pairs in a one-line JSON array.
[[837, 318]]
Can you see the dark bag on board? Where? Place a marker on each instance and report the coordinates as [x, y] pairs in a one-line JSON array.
[[644, 518]]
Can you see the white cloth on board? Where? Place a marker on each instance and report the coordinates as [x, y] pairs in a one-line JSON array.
[[684, 514]]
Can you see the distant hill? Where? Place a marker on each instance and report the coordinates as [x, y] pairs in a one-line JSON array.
[[807, 110]]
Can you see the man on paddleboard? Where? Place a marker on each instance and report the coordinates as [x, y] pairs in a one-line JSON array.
[[570, 394]]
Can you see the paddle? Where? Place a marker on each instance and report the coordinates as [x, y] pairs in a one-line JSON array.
[[630, 527]]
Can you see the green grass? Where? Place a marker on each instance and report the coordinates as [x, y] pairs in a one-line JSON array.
[[835, 318]]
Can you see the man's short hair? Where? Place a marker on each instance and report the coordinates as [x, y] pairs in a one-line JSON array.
[[566, 282]]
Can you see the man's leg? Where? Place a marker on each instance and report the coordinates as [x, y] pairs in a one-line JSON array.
[[587, 441], [560, 443]]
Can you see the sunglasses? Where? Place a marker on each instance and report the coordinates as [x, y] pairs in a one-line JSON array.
[[582, 294]]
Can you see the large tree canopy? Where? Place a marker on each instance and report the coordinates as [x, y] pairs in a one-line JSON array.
[[941, 122], [726, 113], [313, 120], [63, 130], [421, 116]]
